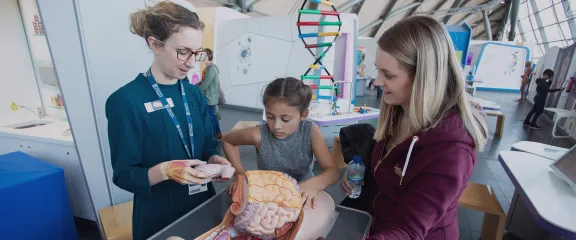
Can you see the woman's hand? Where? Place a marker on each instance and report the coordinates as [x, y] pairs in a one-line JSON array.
[[345, 187], [309, 194], [182, 171]]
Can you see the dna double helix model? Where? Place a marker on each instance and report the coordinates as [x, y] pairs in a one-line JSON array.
[[326, 18]]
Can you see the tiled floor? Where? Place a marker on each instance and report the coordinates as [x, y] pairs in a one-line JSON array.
[[487, 170]]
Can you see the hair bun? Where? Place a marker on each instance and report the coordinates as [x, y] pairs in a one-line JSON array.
[[138, 23]]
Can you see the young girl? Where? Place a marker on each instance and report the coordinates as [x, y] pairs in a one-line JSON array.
[[287, 142]]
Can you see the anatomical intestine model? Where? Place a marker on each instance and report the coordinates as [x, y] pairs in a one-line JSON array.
[[268, 205]]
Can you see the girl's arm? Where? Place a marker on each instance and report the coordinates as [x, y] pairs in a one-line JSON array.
[[330, 172], [231, 141]]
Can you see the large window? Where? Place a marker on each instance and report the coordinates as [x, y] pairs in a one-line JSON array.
[[546, 23]]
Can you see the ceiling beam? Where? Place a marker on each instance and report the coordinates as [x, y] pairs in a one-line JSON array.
[[501, 29], [455, 4], [490, 15], [466, 18], [413, 10], [383, 17], [379, 21], [483, 31], [515, 7], [241, 5], [347, 5], [478, 24], [487, 26], [438, 5], [358, 7]]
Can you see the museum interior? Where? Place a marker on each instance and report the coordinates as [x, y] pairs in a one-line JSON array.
[[288, 119]]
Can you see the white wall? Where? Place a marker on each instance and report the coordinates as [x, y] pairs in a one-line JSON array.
[[38, 44], [222, 14], [40, 56], [500, 66], [275, 51], [114, 56], [370, 44], [64, 38], [18, 79]]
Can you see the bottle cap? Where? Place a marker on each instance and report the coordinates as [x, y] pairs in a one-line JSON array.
[[357, 159]]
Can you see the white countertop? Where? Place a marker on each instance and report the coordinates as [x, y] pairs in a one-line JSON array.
[[540, 149], [550, 196], [52, 132]]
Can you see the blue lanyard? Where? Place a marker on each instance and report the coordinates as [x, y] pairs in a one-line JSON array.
[[154, 84]]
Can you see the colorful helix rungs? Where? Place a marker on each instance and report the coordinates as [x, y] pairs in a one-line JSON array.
[[317, 66], [314, 77], [318, 34], [318, 12], [320, 87], [319, 23], [322, 2], [318, 45]]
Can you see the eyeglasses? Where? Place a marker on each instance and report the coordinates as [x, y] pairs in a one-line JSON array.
[[184, 54]]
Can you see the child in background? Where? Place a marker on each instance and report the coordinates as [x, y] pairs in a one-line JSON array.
[[542, 90], [287, 141]]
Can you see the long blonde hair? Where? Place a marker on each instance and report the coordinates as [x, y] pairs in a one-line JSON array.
[[423, 47]]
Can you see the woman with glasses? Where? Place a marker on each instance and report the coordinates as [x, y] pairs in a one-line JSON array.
[[159, 127]]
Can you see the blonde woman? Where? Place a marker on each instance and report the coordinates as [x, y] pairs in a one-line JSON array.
[[427, 135]]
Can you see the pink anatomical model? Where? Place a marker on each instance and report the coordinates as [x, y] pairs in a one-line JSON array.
[[216, 171], [268, 205]]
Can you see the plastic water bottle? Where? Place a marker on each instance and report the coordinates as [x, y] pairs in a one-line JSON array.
[[355, 175]]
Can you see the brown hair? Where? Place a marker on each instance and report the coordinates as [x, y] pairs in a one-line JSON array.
[[290, 91], [209, 53], [162, 20]]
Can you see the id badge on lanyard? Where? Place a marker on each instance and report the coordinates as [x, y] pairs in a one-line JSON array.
[[192, 189]]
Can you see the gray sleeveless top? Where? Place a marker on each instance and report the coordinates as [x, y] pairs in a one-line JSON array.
[[292, 155]]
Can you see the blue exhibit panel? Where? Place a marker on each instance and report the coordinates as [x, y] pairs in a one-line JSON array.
[[461, 36], [34, 200]]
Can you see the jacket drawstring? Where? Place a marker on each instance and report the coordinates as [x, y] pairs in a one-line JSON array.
[[414, 140]]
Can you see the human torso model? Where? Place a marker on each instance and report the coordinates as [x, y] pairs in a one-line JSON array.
[[268, 205]]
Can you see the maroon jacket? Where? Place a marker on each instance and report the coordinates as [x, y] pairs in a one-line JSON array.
[[425, 205]]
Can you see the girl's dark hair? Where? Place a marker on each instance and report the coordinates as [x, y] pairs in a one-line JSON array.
[[209, 54], [162, 20], [548, 72], [289, 90]]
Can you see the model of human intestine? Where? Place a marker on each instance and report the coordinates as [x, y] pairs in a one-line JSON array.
[[216, 171], [268, 205]]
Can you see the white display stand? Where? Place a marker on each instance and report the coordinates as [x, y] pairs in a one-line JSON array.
[[539, 149], [549, 200]]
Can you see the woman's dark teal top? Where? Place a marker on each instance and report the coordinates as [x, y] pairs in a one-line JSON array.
[[140, 140]]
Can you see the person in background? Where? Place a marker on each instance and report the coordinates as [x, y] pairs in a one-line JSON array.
[[427, 136], [542, 90], [362, 66], [287, 142], [159, 125], [525, 80], [209, 85]]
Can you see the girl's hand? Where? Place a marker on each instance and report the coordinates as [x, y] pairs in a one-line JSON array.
[[309, 194], [344, 185], [217, 159], [232, 186]]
